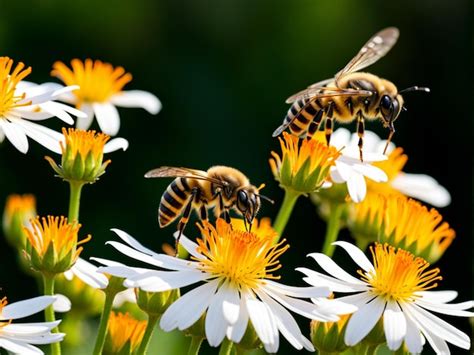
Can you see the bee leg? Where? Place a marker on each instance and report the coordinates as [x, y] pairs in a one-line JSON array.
[[329, 122], [360, 133], [203, 212], [185, 217], [224, 213]]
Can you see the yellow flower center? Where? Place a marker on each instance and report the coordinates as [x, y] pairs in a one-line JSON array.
[[8, 83], [392, 167], [241, 258], [84, 143], [3, 303], [399, 274], [124, 328], [56, 231], [409, 221], [98, 81]]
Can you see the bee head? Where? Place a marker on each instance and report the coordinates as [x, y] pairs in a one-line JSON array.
[[390, 108], [248, 203]]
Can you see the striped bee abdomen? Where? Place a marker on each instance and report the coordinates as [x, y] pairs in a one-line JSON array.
[[173, 201], [301, 115]]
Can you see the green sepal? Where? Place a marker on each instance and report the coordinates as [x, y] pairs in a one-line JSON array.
[[299, 182], [89, 167], [77, 171], [156, 303], [285, 173]]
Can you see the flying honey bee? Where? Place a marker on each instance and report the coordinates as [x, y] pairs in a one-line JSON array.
[[350, 95], [221, 187]]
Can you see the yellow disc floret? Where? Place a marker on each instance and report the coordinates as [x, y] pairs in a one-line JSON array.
[[98, 81], [3, 303], [304, 164], [124, 330], [53, 243], [241, 258], [398, 274], [392, 167], [8, 82]]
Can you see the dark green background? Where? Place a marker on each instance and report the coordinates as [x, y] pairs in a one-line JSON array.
[[222, 70]]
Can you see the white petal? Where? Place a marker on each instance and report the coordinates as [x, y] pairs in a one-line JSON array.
[[125, 296], [264, 323], [216, 324], [362, 321], [190, 246], [85, 122], [106, 262], [107, 117], [439, 327], [126, 250], [62, 304], [34, 113], [357, 255], [87, 272], [300, 292], [344, 170], [328, 265], [340, 138], [371, 172], [121, 271], [187, 309], [127, 238], [422, 187], [56, 110], [304, 308], [358, 300], [394, 325], [231, 303], [137, 98], [236, 331], [456, 309], [72, 110], [317, 279], [27, 307], [285, 322], [116, 144], [336, 176], [43, 135], [160, 281], [438, 296], [356, 187], [39, 339], [15, 135], [29, 329], [18, 347], [331, 306], [413, 337]]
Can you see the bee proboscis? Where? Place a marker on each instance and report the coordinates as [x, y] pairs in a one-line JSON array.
[[350, 95], [220, 187]]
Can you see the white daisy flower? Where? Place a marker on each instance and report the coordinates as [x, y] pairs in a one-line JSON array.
[[395, 286], [17, 338], [420, 186], [100, 91], [235, 269], [22, 102], [350, 170]]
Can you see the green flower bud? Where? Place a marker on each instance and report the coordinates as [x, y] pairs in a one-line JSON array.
[[156, 303], [328, 337], [19, 209]]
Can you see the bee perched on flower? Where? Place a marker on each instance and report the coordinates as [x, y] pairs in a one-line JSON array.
[[238, 287], [100, 90], [22, 102]]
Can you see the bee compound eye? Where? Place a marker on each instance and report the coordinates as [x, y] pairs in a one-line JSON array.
[[386, 102], [243, 198]]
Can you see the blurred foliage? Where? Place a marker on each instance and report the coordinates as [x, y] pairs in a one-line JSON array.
[[223, 70]]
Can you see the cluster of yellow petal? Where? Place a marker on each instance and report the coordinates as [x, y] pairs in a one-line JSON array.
[[8, 82]]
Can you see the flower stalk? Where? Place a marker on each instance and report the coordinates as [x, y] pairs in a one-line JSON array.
[[150, 328], [195, 345], [284, 214], [226, 347], [74, 200], [333, 227], [48, 289]]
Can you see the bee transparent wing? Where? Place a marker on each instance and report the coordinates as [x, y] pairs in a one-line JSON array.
[[372, 51], [322, 92], [319, 85], [171, 171]]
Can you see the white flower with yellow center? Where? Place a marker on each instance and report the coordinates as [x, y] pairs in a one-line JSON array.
[[395, 286], [238, 286], [17, 338], [100, 90], [22, 102]]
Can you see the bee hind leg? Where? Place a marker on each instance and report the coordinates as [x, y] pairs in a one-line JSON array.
[[185, 217], [360, 133], [328, 129]]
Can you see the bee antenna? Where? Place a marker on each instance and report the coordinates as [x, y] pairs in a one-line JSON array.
[[267, 199], [404, 109], [262, 185], [415, 88]]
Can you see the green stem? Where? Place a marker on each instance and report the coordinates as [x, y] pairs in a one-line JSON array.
[[48, 289], [372, 349], [333, 227], [195, 345], [150, 327], [284, 214], [226, 347], [104, 322], [74, 200]]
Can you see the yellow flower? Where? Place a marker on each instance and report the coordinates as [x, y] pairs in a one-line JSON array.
[[262, 228], [124, 334], [82, 156], [393, 166], [9, 99], [19, 209], [302, 167], [100, 90], [52, 244]]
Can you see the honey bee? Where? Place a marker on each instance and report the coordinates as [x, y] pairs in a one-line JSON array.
[[221, 187], [350, 95]]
